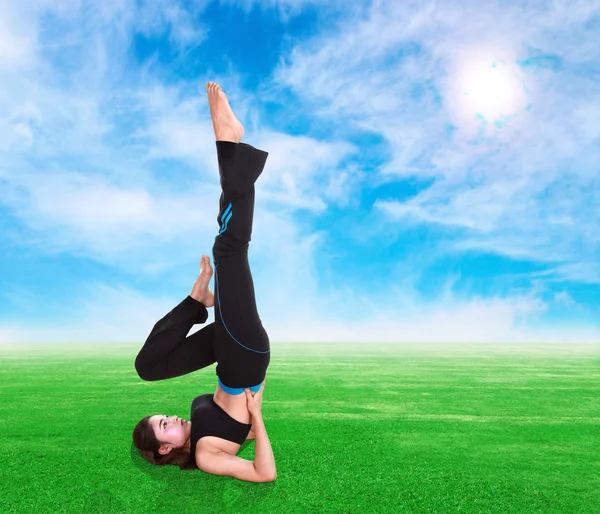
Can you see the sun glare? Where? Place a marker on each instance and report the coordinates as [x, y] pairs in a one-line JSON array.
[[485, 91], [489, 91]]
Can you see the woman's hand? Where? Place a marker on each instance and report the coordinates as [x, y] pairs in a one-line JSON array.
[[254, 401]]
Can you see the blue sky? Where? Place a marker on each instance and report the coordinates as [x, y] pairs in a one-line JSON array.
[[433, 170]]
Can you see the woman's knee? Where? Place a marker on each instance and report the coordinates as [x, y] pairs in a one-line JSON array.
[[145, 370], [228, 247]]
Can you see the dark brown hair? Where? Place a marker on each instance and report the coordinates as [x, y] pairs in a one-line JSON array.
[[147, 444]]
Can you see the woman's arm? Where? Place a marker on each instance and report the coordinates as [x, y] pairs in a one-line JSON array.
[[264, 461], [251, 434]]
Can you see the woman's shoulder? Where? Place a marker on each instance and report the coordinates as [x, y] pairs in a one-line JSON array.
[[200, 400]]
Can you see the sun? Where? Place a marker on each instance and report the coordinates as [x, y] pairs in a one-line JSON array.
[[489, 91], [484, 90]]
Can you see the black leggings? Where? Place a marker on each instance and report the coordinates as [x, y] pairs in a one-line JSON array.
[[236, 340]]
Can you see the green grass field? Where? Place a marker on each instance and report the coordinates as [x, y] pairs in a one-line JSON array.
[[354, 428]]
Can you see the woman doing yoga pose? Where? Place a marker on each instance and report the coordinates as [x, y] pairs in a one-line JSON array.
[[236, 340]]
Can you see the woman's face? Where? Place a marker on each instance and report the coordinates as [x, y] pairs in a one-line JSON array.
[[172, 431]]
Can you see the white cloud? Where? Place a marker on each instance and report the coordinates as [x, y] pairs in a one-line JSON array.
[[87, 215], [584, 272], [18, 35], [108, 205], [521, 189], [564, 298], [121, 314], [89, 189], [182, 23]]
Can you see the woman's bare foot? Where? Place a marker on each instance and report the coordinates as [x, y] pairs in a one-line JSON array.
[[226, 126], [201, 292]]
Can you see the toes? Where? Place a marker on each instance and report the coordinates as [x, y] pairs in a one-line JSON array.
[[213, 88]]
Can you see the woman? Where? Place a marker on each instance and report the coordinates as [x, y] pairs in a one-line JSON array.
[[237, 341]]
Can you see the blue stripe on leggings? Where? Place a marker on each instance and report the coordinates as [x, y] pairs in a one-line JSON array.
[[226, 211], [221, 311], [226, 222]]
